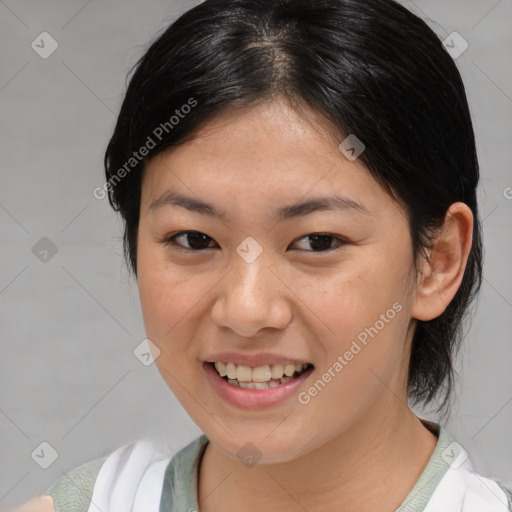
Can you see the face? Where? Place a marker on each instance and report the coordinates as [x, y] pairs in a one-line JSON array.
[[327, 285]]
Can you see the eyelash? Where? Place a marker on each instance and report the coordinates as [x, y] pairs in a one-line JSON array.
[[170, 241]]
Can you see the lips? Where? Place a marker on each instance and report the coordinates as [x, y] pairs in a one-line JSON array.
[[251, 395]]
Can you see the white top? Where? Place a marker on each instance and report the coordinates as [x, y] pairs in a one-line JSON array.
[[139, 477]]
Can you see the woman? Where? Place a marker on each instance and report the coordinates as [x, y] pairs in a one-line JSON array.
[[298, 184]]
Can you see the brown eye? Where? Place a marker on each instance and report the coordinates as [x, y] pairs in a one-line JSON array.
[[322, 242], [196, 241]]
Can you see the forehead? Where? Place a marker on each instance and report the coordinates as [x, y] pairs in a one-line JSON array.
[[264, 151]]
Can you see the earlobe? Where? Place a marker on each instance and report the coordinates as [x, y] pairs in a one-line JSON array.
[[440, 277]]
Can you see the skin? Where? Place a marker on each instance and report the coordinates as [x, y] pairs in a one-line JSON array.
[[43, 503], [294, 299], [291, 300]]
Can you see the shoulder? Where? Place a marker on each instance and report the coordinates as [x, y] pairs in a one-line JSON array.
[[100, 477], [449, 482], [461, 487], [130, 475], [137, 475], [73, 491], [484, 493]]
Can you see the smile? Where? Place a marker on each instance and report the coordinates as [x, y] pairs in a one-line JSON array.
[[261, 377], [248, 393]]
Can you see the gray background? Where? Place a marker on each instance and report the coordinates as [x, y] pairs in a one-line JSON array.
[[70, 325]]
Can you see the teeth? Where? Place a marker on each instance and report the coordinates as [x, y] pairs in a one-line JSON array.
[[259, 385], [222, 369], [261, 374], [244, 373], [277, 371], [231, 371], [265, 375], [289, 370]]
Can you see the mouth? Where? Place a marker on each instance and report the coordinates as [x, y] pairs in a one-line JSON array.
[[260, 377]]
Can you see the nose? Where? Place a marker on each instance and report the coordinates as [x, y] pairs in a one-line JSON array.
[[252, 297]]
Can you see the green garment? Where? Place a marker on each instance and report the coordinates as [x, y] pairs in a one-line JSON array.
[[73, 492]]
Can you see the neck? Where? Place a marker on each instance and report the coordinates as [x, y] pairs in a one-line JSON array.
[[373, 465]]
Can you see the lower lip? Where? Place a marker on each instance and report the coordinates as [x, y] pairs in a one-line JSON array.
[[253, 398]]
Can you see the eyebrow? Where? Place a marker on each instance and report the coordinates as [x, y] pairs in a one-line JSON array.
[[300, 209]]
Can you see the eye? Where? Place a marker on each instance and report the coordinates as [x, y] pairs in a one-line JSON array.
[[322, 242], [197, 241]]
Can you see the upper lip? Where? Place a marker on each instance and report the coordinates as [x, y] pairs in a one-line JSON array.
[[254, 360]]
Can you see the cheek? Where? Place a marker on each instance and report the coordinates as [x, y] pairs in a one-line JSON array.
[[363, 361], [166, 297], [175, 305], [169, 303], [364, 324], [354, 299], [171, 308]]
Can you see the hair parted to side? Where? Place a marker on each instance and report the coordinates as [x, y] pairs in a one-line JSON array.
[[371, 68]]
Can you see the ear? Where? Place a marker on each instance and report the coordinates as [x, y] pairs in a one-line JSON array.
[[440, 276]]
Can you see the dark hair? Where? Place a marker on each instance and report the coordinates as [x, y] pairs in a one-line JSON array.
[[371, 68]]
